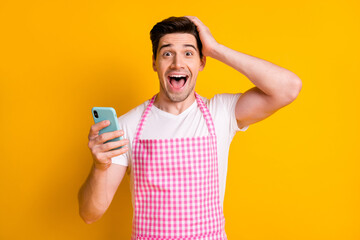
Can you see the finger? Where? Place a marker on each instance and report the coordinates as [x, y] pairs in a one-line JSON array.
[[94, 130], [191, 17], [195, 20], [98, 145], [108, 136], [111, 145], [117, 152]]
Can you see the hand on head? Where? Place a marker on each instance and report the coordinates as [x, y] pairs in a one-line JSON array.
[[208, 41]]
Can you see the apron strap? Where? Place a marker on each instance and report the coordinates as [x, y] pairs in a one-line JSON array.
[[206, 114], [205, 111]]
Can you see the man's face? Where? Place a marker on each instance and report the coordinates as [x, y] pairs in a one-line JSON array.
[[177, 64]]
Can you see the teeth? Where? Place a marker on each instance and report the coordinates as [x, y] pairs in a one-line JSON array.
[[177, 76]]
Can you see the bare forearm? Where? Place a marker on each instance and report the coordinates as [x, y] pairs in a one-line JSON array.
[[93, 199], [268, 77]]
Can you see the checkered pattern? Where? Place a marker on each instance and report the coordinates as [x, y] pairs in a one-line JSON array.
[[176, 186]]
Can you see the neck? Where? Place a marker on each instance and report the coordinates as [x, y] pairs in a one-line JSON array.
[[164, 103]]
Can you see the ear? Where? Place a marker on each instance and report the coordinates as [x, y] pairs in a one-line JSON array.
[[202, 63], [154, 63]]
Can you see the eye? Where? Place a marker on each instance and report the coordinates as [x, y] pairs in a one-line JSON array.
[[167, 54], [188, 53]]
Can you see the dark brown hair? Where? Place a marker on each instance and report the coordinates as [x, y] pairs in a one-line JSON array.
[[173, 25]]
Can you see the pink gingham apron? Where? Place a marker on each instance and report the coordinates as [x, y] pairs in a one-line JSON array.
[[176, 186]]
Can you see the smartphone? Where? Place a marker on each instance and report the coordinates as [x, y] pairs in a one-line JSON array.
[[107, 113]]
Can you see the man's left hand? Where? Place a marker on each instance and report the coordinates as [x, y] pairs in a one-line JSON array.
[[208, 41]]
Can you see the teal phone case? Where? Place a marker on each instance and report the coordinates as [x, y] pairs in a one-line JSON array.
[[107, 113]]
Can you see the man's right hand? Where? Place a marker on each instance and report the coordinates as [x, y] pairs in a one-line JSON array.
[[101, 152]]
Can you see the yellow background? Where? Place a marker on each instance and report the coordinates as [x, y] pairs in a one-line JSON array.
[[292, 176]]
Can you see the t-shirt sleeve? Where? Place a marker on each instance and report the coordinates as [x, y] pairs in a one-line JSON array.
[[128, 123], [230, 101], [233, 98], [121, 160]]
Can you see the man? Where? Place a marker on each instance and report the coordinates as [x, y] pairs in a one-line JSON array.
[[178, 140]]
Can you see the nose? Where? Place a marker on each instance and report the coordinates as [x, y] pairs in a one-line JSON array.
[[177, 62]]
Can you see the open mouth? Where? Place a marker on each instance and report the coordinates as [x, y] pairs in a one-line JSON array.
[[178, 81]]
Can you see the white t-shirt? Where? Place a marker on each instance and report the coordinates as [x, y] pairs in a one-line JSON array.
[[190, 123]]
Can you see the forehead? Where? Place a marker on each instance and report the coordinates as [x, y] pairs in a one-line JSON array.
[[178, 39]]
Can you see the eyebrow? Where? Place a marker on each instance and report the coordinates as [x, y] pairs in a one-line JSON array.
[[169, 45]]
